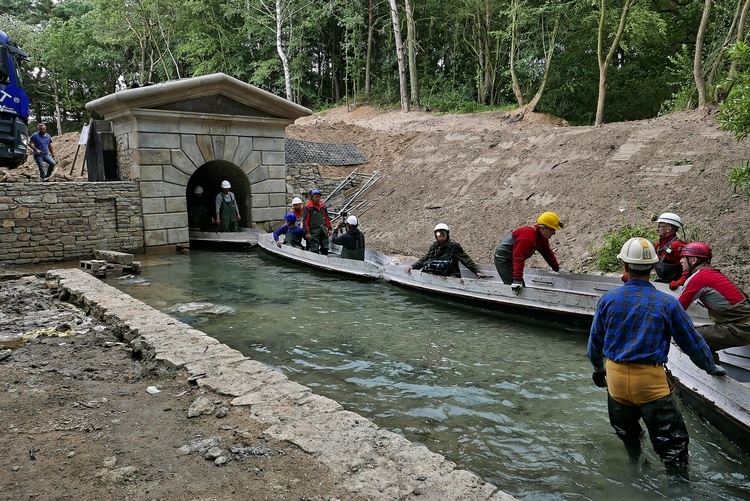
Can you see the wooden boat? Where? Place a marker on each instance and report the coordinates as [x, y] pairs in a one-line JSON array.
[[722, 401], [369, 269], [563, 300]]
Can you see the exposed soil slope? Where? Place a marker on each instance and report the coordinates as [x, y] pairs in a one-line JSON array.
[[485, 174]]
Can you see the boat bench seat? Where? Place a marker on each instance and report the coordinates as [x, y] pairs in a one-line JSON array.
[[737, 357]]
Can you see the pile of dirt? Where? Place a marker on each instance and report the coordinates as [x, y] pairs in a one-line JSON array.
[[64, 147], [486, 174]]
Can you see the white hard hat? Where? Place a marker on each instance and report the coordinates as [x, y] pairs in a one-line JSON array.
[[670, 218], [225, 185], [352, 221], [198, 190], [296, 200], [639, 252], [441, 226]]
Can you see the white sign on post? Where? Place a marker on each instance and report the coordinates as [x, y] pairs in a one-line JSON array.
[[84, 135]]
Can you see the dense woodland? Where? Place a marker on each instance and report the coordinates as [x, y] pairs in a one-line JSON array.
[[588, 61]]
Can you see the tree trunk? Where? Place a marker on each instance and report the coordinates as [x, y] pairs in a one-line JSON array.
[[400, 56], [547, 65], [604, 62], [282, 54], [58, 110], [368, 59], [411, 36], [740, 37], [700, 82], [513, 38]]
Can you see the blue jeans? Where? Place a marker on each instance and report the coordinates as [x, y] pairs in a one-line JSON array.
[[39, 159]]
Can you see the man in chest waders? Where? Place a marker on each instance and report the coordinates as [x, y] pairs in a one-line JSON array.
[[316, 223], [227, 211]]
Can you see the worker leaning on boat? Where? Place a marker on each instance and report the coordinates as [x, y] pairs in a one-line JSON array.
[[444, 255], [520, 244], [352, 242], [293, 234], [728, 306], [316, 223], [632, 329]]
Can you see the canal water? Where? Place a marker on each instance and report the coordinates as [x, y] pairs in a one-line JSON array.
[[511, 402]]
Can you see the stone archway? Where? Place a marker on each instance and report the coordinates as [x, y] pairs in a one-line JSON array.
[[210, 175], [175, 135]]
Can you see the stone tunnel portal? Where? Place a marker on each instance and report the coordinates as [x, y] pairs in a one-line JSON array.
[[209, 176]]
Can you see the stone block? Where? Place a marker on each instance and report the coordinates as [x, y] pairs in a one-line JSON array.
[[164, 221], [175, 204], [258, 215], [277, 200], [171, 127], [189, 146], [258, 175], [230, 147], [178, 235], [156, 189], [261, 200], [158, 141], [273, 157], [152, 157], [218, 146], [113, 256], [155, 238], [244, 148], [269, 186], [251, 162], [269, 144], [277, 171], [154, 206], [152, 173], [181, 162], [206, 147], [175, 176]]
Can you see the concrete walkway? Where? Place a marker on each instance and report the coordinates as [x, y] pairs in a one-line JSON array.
[[369, 461]]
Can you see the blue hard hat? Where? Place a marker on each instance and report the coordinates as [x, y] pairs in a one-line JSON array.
[[315, 191], [291, 218]]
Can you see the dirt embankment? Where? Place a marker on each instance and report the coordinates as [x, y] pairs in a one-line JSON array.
[[486, 174]]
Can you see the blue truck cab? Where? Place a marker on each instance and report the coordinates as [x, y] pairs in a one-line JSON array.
[[14, 105]]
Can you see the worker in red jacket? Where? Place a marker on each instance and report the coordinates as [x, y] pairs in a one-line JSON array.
[[520, 244], [726, 303], [316, 223]]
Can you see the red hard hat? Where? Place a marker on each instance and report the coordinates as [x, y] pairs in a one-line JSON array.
[[696, 249]]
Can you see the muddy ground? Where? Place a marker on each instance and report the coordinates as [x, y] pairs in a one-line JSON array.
[[77, 420]]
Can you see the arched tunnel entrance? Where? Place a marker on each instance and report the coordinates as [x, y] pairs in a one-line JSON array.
[[209, 176]]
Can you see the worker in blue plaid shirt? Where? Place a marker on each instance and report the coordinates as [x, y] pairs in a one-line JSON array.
[[632, 330]]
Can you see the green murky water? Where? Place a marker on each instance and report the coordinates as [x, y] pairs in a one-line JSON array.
[[512, 402]]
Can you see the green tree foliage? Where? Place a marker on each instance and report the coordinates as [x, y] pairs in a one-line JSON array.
[[606, 255], [83, 49]]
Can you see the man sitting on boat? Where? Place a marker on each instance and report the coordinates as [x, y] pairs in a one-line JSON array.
[[316, 223], [352, 242], [628, 347], [293, 234], [520, 244], [728, 306], [297, 208], [444, 255]]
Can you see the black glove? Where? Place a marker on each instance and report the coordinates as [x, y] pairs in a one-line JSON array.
[[600, 378], [516, 286], [718, 371]]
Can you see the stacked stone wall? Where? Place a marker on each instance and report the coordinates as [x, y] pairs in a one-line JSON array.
[[42, 222], [301, 178]]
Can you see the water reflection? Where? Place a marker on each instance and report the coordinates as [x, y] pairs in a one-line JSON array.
[[512, 402]]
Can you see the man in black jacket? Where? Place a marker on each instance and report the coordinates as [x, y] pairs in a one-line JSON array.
[[444, 255], [352, 242]]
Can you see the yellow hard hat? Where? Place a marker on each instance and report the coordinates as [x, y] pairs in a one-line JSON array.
[[550, 220]]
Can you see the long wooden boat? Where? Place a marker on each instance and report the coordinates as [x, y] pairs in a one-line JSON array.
[[722, 401], [567, 301], [369, 269]]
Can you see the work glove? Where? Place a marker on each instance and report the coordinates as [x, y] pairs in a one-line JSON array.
[[718, 371], [600, 378], [674, 284], [516, 286]]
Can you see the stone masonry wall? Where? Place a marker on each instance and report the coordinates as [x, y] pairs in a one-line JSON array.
[[301, 178], [42, 222]]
